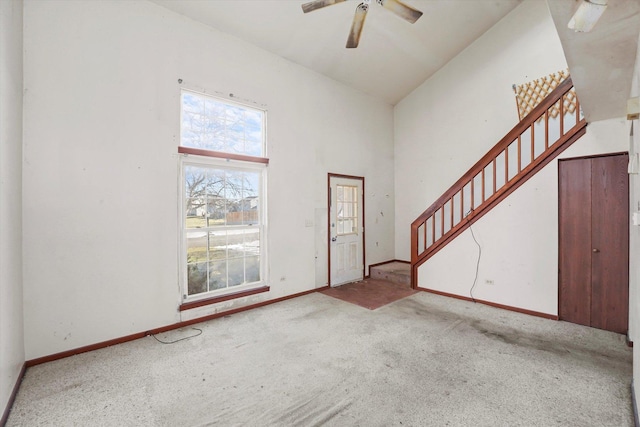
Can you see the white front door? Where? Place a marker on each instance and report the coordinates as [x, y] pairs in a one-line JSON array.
[[346, 230]]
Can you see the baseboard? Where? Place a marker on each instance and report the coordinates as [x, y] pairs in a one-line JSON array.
[[389, 262], [636, 422], [132, 337], [12, 397], [492, 304]]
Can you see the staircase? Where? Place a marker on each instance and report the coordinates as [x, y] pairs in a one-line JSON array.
[[394, 271], [548, 130]]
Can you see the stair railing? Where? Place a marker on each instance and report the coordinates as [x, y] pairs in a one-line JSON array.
[[550, 128]]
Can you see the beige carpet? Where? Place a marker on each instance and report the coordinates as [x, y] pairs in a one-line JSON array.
[[424, 360]]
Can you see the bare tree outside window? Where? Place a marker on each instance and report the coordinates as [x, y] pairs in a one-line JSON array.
[[221, 204], [213, 125]]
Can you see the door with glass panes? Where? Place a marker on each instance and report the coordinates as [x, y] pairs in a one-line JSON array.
[[346, 229]]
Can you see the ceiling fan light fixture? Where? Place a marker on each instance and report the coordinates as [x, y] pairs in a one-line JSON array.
[[400, 9], [587, 15]]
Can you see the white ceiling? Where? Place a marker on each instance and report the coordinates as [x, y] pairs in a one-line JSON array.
[[393, 58], [601, 61]]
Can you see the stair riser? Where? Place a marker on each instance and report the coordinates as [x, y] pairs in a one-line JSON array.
[[391, 276]]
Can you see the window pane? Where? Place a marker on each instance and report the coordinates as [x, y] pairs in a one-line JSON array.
[[347, 194], [250, 201], [218, 245], [211, 124], [197, 278], [235, 243], [348, 226], [253, 269], [195, 196], [241, 195], [235, 268], [195, 213], [251, 242], [253, 133], [196, 247], [347, 209], [217, 275]]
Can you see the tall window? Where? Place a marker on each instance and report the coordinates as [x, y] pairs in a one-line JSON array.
[[222, 180]]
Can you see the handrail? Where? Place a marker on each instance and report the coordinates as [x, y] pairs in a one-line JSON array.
[[451, 214]]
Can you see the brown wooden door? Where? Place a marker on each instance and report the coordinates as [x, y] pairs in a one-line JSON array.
[[594, 242], [575, 241]]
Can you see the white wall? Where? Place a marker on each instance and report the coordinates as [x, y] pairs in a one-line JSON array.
[[101, 169], [11, 323], [450, 121], [519, 237], [634, 241], [437, 140]]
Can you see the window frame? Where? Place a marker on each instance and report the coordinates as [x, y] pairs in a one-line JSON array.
[[224, 154], [198, 157]]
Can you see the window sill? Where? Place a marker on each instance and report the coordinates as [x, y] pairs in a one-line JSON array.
[[221, 298]]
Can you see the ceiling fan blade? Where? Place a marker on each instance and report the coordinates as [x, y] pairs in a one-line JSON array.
[[402, 10], [356, 26], [318, 4]]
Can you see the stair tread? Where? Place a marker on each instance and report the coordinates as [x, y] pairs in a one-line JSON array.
[[394, 266]]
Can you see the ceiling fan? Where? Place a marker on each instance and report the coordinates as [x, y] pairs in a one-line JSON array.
[[402, 10]]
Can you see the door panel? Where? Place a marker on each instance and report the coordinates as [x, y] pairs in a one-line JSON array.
[[346, 230], [610, 260], [575, 241], [594, 242]]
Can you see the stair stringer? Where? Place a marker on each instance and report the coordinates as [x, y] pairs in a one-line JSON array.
[[516, 268], [566, 141]]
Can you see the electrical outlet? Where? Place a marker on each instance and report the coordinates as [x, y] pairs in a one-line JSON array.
[[489, 282]]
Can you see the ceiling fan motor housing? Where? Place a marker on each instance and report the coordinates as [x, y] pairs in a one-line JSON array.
[[395, 6]]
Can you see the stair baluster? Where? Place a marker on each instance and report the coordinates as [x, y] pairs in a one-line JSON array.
[[440, 224]]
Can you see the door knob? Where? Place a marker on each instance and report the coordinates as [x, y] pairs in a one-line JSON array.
[[596, 250], [333, 239]]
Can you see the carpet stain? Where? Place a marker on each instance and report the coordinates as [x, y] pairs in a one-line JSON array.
[[513, 337], [312, 315], [510, 336]]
